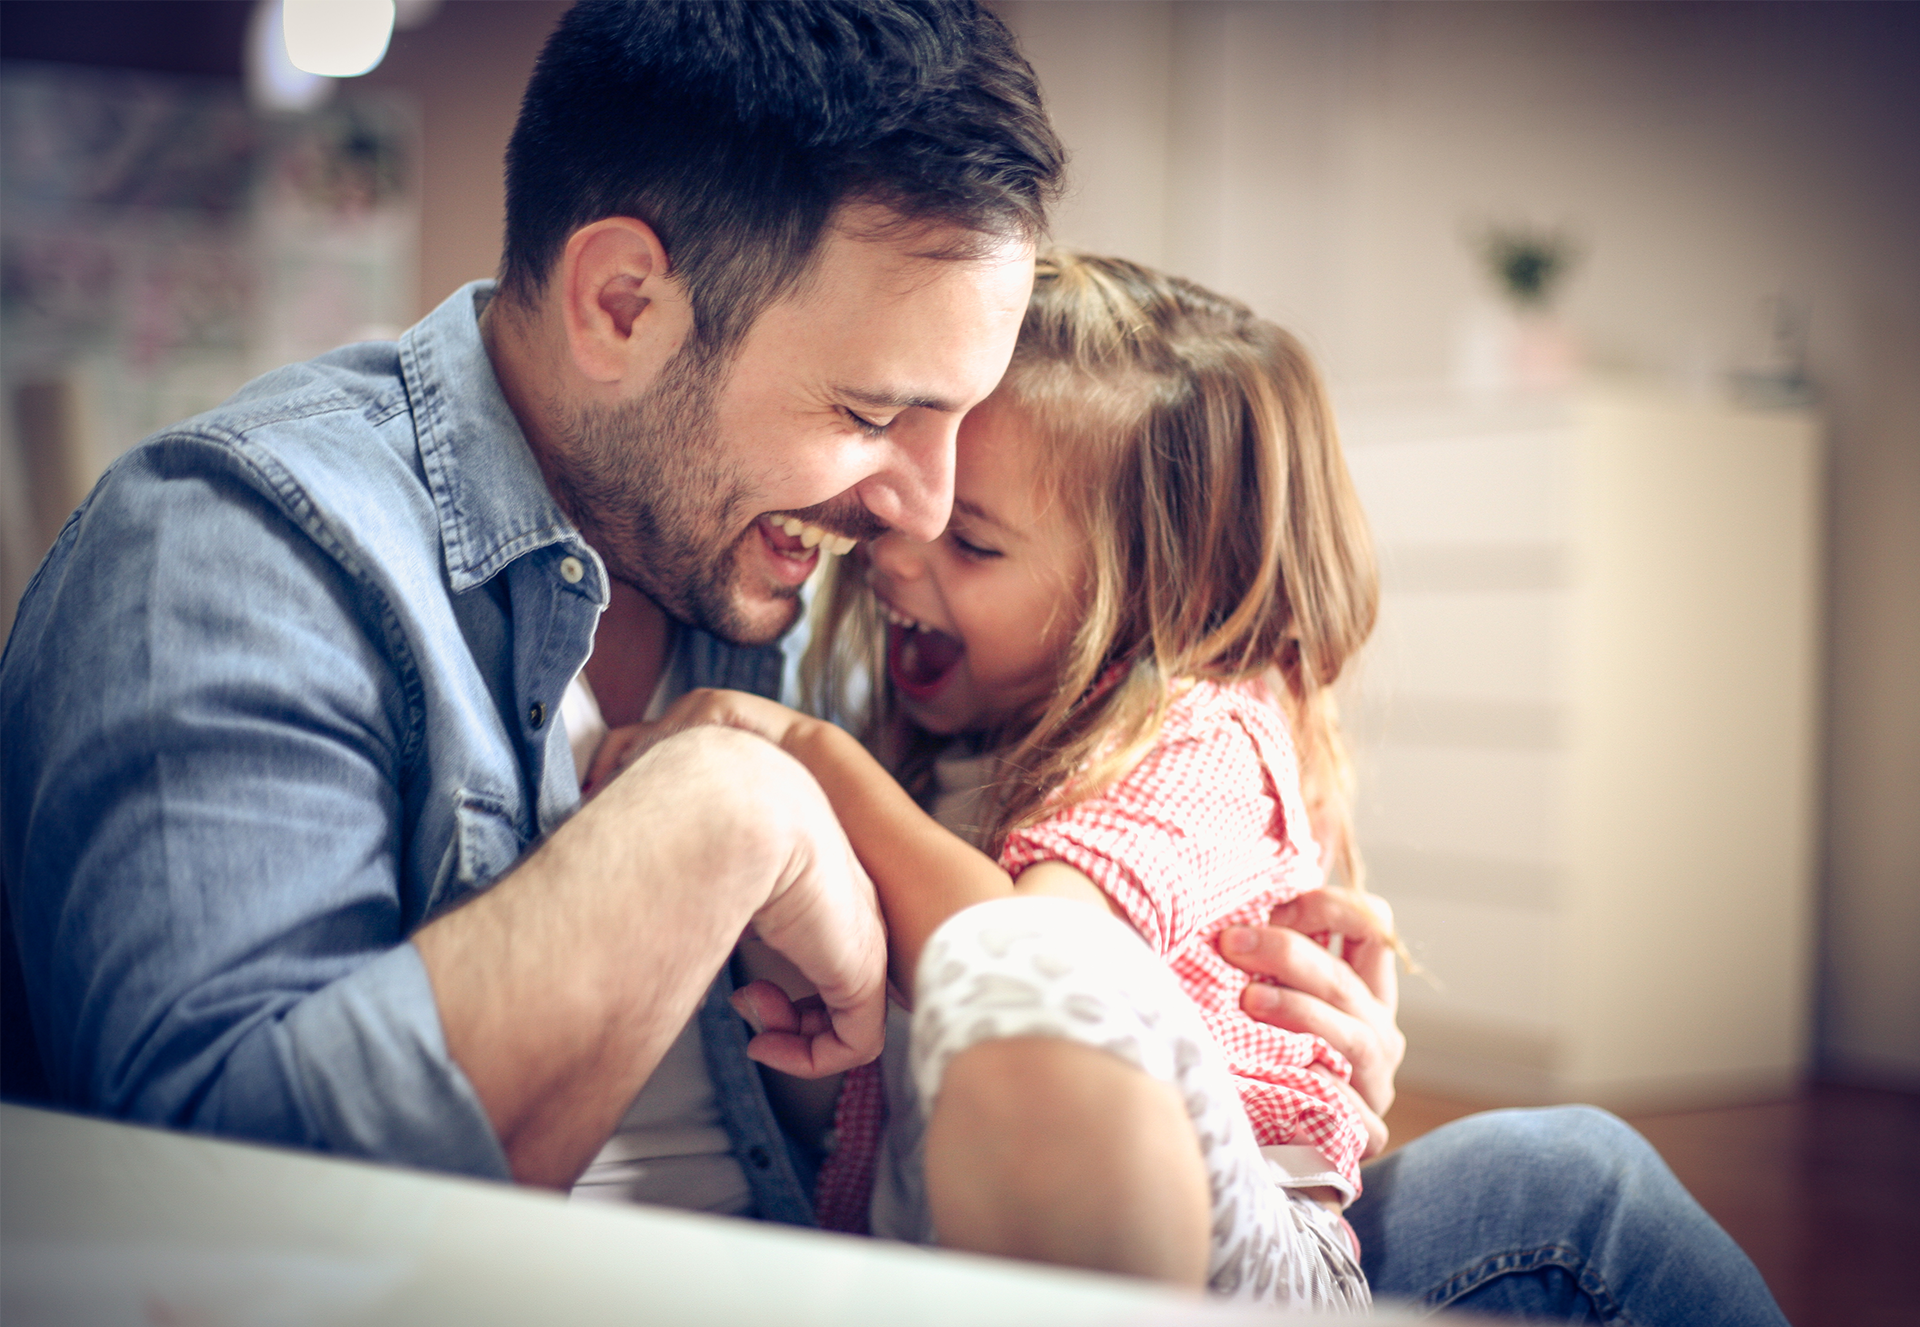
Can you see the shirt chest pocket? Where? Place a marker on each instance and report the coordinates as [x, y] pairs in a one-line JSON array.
[[484, 843]]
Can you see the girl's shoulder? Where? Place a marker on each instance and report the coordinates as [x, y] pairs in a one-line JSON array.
[[1205, 710], [1221, 754], [1217, 740], [1207, 820]]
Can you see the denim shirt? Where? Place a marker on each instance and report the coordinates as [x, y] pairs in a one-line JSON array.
[[287, 686]]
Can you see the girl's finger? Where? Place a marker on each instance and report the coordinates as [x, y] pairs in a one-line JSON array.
[[617, 750], [1375, 961]]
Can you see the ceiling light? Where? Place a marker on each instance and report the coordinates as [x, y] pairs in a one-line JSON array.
[[272, 81], [337, 38]]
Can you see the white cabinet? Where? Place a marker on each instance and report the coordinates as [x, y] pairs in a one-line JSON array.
[[1586, 737]]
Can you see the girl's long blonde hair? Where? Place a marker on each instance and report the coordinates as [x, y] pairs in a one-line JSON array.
[[1192, 443]]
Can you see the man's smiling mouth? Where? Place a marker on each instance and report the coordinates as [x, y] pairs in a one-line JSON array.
[[810, 535]]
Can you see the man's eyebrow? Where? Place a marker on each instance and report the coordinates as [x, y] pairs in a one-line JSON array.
[[881, 399], [966, 507]]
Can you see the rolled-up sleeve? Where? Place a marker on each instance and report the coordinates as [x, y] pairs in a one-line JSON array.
[[205, 796]]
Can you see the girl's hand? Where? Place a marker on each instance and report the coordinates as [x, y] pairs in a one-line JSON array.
[[729, 709], [735, 709], [1349, 1004], [617, 750]]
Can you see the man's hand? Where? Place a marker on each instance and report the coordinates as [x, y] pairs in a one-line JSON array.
[[824, 919], [1349, 1004], [822, 915], [560, 988], [1371, 1120]]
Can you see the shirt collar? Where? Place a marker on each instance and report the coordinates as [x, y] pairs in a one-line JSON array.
[[491, 498]]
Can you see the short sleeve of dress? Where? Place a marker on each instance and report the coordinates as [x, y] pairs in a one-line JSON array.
[[1163, 840]]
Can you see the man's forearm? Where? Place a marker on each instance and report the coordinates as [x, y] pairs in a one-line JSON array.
[[560, 989]]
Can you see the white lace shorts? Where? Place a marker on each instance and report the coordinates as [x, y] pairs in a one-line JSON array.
[[1024, 967]]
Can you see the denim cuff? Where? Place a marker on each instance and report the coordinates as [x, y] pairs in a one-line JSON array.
[[371, 1063]]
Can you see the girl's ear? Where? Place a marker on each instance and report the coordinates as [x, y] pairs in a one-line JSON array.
[[624, 313]]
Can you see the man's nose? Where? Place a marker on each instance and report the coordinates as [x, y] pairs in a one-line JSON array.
[[913, 491]]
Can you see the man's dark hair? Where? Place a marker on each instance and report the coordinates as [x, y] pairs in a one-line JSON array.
[[735, 128]]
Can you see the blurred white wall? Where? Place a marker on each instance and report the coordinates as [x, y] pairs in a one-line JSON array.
[[1325, 161]]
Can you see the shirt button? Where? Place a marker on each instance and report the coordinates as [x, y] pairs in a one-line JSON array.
[[571, 570], [536, 714]]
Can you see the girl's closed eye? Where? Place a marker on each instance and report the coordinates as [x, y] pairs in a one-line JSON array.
[[981, 617], [971, 548]]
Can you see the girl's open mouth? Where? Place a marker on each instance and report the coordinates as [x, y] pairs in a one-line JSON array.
[[920, 659]]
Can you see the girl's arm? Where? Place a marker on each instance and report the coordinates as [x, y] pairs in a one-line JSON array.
[[922, 872]]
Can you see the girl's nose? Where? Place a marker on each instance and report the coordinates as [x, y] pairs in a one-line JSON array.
[[898, 557]]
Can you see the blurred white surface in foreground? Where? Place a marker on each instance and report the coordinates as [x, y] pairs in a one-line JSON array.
[[110, 1224]]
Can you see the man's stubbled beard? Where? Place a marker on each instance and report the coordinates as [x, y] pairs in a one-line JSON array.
[[645, 484]]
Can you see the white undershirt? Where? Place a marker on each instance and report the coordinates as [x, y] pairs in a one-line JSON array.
[[963, 781], [670, 1147]]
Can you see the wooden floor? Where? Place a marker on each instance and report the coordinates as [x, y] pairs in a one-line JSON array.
[[1823, 1192]]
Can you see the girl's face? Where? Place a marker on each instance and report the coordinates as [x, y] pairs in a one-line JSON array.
[[979, 620]]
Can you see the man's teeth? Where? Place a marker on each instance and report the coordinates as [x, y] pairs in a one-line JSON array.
[[812, 536], [901, 619]]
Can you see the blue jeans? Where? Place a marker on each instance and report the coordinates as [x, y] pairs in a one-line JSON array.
[[1564, 1214]]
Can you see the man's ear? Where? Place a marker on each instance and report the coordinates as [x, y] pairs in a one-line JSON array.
[[624, 313]]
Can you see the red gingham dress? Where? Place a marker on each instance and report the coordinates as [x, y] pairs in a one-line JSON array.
[[1208, 830]]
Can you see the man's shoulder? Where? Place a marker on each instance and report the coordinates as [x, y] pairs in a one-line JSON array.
[[362, 379], [329, 442], [347, 406]]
